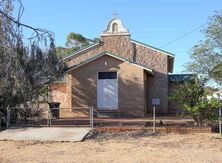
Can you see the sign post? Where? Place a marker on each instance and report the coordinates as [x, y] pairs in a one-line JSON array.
[[155, 102], [8, 117], [154, 119], [220, 121], [219, 118]]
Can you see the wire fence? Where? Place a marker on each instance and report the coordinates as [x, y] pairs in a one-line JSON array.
[[84, 117], [76, 116]]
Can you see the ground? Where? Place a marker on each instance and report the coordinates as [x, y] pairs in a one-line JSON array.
[[118, 147]]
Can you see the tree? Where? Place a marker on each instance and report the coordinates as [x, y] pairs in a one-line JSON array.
[[193, 99], [74, 42], [206, 56], [23, 69]]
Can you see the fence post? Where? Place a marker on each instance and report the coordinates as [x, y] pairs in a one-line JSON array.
[[48, 118], [8, 117], [92, 117], [220, 121]]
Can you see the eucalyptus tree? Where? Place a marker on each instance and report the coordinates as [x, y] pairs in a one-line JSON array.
[[206, 56], [25, 64], [74, 42]]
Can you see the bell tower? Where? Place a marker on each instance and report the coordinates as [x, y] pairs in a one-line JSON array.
[[115, 27], [116, 38]]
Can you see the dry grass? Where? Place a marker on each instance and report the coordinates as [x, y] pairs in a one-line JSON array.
[[118, 147]]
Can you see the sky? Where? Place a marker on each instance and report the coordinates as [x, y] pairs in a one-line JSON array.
[[154, 22]]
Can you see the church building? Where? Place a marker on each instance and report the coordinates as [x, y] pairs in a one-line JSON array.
[[116, 75]]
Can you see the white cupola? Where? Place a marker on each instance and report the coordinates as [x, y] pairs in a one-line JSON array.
[[115, 27]]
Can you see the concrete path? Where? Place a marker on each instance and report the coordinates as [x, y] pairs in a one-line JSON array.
[[71, 134]]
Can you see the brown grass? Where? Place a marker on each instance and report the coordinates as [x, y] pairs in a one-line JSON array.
[[124, 147]]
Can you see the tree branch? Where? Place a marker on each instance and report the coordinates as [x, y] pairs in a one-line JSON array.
[[38, 31]]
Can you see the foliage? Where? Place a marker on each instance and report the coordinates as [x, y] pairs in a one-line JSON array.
[[74, 42], [13, 116], [193, 99], [25, 65], [61, 51], [206, 56], [24, 114]]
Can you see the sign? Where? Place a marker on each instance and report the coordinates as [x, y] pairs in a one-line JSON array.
[[156, 101]]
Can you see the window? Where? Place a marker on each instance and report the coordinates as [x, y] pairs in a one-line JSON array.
[[115, 27], [107, 75]]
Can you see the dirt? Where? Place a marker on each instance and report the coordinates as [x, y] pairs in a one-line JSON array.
[[137, 146]]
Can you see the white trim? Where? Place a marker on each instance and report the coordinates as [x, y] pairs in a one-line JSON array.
[[142, 67], [152, 48], [80, 51], [116, 57], [115, 34]]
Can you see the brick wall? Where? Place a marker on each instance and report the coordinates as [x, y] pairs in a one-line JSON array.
[[121, 45], [157, 85], [130, 85], [59, 93]]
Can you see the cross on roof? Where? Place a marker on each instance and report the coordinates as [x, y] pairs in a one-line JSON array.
[[115, 15]]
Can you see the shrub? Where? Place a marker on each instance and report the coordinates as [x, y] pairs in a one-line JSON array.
[[193, 99]]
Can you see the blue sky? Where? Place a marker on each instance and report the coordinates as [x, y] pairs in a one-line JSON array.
[[154, 22]]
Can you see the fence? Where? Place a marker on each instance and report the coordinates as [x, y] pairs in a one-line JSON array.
[[17, 116], [76, 116]]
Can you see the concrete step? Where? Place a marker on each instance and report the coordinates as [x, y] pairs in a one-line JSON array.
[[108, 114]]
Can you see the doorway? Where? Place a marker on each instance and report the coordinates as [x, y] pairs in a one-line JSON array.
[[107, 91]]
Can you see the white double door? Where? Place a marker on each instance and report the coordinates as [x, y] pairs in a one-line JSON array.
[[107, 94]]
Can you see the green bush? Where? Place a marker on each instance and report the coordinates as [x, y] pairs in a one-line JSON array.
[[193, 99]]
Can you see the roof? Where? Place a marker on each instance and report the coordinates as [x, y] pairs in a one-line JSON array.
[[154, 48], [170, 55], [134, 41], [81, 50], [220, 91], [175, 78], [111, 55]]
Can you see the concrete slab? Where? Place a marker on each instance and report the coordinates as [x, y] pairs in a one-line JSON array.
[[72, 134]]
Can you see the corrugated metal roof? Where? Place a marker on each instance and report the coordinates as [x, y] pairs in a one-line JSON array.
[[173, 78]]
